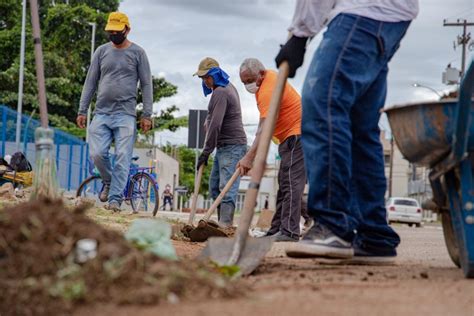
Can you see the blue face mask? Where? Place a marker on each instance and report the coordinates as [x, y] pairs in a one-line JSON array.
[[205, 89], [221, 79]]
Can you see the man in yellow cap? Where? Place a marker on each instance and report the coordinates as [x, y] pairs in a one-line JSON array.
[[225, 132], [115, 71]]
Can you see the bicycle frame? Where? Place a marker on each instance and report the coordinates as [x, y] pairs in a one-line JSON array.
[[138, 170]]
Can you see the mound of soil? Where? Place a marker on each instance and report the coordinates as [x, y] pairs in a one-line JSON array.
[[38, 274]]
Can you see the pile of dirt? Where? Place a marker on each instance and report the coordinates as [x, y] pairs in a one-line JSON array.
[[202, 232], [38, 273]]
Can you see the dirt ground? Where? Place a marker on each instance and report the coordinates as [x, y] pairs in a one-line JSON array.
[[424, 281], [43, 271]]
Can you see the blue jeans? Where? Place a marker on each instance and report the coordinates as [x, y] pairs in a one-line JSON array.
[[104, 129], [225, 162], [344, 90]]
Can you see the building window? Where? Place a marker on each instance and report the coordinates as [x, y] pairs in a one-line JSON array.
[[239, 201]]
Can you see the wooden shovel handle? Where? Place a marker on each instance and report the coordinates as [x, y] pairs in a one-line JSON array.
[[197, 185], [259, 164], [218, 200], [39, 63]]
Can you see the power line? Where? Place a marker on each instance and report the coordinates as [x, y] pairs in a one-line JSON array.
[[461, 13]]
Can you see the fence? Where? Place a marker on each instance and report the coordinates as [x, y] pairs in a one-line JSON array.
[[70, 152]]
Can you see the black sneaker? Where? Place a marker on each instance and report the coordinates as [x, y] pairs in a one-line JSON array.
[[279, 237], [104, 194], [271, 234], [320, 242], [365, 257]]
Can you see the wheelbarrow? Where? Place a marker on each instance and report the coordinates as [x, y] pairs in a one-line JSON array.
[[440, 136]]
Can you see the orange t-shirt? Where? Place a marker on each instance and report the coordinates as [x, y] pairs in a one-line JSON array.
[[289, 119]]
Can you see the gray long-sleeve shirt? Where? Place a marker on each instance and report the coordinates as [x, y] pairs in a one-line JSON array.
[[224, 119], [115, 73]]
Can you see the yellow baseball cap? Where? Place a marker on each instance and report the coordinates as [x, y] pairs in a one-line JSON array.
[[205, 65], [117, 22]]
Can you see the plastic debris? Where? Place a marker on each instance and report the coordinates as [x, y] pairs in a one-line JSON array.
[[86, 249], [152, 236]]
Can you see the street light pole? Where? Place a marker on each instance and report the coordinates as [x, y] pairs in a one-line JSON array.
[[94, 25], [417, 85], [20, 78]]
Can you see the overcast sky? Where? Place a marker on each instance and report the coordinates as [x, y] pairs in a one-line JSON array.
[[177, 34]]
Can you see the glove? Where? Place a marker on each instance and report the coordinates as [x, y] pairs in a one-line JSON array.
[[293, 52], [202, 160]]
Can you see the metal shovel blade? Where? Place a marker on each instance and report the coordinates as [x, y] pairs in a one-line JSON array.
[[219, 250]]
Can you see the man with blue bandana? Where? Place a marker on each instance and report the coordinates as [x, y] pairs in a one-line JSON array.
[[225, 132]]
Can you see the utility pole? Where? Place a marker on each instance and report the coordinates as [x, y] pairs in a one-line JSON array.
[[21, 76], [462, 40]]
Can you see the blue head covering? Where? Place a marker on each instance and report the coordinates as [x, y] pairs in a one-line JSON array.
[[221, 78]]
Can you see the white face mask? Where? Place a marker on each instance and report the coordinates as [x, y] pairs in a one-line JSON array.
[[252, 87]]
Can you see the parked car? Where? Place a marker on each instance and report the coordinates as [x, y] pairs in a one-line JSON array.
[[404, 210]]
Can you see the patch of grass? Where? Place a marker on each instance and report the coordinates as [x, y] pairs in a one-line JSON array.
[[228, 271], [69, 285], [69, 290], [111, 220]]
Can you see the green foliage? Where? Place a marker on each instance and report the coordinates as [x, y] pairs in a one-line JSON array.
[[167, 121], [66, 38], [186, 158], [69, 284], [69, 290], [161, 89], [228, 271]]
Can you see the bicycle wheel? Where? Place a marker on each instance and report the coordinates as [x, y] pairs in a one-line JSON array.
[[143, 194], [90, 188]]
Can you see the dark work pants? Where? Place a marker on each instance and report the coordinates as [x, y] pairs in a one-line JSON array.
[[304, 210], [291, 181]]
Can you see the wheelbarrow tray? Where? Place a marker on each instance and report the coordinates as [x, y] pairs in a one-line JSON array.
[[423, 131]]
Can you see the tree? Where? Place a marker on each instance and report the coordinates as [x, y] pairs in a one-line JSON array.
[[66, 36]]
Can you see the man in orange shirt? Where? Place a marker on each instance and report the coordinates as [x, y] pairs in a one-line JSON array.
[[292, 175]]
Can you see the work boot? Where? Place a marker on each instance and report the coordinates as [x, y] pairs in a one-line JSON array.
[[104, 194], [113, 206], [226, 218]]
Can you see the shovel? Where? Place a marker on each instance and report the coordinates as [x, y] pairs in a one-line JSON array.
[[206, 228], [244, 251], [197, 185]]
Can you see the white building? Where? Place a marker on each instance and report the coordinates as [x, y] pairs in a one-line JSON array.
[[268, 188], [166, 168]]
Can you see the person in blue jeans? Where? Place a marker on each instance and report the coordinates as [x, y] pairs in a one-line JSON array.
[[115, 71], [224, 132], [343, 93]]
